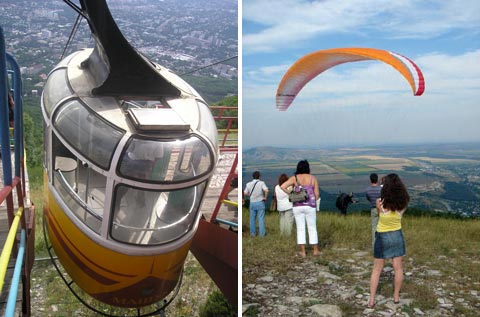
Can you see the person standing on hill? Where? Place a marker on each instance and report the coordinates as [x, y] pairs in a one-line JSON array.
[[284, 207], [305, 211], [389, 241], [258, 192], [372, 193], [11, 111]]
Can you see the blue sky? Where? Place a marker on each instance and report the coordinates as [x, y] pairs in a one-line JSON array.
[[363, 103]]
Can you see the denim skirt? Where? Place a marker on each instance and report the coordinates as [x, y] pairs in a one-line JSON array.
[[389, 245]]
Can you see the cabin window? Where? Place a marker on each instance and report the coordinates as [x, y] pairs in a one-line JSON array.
[[55, 89], [165, 161], [87, 133], [81, 188], [207, 123], [153, 217], [142, 104]]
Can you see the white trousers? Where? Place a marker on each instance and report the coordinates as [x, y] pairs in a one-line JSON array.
[[308, 215]]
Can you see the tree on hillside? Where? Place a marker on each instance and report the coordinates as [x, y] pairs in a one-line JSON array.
[[212, 89], [33, 142], [231, 101]]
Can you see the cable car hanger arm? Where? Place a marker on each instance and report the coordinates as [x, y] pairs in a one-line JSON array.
[[76, 8], [118, 68]]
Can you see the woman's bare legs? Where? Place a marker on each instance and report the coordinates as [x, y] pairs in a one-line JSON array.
[[315, 250], [302, 250], [377, 270], [398, 268]]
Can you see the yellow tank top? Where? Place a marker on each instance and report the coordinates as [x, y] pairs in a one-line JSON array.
[[389, 221]]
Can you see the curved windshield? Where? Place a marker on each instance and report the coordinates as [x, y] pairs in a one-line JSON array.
[[89, 216], [154, 217], [87, 133], [81, 188], [207, 123], [56, 89], [166, 160]]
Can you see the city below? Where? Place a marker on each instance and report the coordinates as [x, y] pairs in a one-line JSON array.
[[181, 35]]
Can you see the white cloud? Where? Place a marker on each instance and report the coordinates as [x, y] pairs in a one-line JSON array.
[[466, 65], [443, 73], [370, 92], [289, 22], [267, 71]]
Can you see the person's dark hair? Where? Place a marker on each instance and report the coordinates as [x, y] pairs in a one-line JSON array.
[[11, 106], [256, 175], [234, 183], [282, 179], [373, 178], [394, 193], [303, 167]]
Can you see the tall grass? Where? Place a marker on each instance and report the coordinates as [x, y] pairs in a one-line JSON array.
[[449, 245], [35, 175], [426, 237]]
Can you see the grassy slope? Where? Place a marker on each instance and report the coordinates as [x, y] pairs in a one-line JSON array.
[[448, 245]]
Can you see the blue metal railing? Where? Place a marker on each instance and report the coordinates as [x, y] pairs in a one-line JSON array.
[[17, 111], [226, 222], [24, 260], [4, 123], [12, 295]]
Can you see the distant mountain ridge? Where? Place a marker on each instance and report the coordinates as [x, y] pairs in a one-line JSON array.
[[267, 154], [270, 154]]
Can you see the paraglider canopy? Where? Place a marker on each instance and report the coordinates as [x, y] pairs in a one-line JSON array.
[[311, 65]]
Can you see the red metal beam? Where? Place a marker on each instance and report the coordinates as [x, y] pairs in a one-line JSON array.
[[225, 190], [216, 249]]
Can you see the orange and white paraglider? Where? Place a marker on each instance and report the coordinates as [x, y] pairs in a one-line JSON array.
[[311, 65]]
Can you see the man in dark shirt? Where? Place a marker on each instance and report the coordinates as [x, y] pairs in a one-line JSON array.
[[372, 193]]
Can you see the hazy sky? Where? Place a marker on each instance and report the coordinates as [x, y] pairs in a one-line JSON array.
[[365, 102]]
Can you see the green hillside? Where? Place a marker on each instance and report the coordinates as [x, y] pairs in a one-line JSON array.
[[213, 90]]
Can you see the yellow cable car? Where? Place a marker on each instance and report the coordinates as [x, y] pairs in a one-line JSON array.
[[129, 149]]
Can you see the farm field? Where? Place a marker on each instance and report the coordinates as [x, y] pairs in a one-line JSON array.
[[446, 179]]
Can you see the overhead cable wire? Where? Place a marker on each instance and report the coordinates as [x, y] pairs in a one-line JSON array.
[[76, 8], [72, 34], [209, 65]]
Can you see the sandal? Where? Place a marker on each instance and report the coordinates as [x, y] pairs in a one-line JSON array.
[[371, 306]]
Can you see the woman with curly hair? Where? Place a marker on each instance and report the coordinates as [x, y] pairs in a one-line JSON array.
[[389, 241]]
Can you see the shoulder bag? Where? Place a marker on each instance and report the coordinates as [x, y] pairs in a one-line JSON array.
[[298, 194], [246, 204]]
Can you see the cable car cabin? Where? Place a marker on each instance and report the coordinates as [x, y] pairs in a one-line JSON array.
[[123, 182]]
